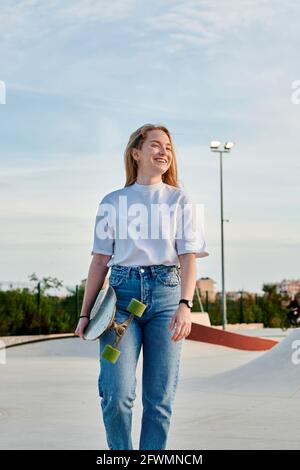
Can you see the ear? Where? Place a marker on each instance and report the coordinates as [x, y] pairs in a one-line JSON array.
[[134, 155]]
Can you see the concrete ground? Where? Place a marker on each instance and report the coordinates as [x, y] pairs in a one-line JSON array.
[[226, 398]]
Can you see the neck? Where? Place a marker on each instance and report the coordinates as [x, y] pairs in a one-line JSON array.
[[145, 179]]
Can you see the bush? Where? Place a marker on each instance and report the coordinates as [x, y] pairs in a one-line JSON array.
[[22, 314]]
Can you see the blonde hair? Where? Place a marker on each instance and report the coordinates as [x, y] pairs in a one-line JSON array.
[[136, 140]]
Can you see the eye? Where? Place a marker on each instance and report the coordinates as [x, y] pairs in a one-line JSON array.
[[169, 149]]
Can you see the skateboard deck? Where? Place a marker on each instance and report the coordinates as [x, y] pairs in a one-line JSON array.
[[102, 318], [102, 314]]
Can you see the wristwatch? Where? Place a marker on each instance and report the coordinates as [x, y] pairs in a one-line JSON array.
[[189, 303]]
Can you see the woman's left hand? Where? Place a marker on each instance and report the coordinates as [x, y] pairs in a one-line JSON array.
[[182, 321]]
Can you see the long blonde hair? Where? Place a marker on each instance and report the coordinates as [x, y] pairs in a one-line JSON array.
[[136, 140]]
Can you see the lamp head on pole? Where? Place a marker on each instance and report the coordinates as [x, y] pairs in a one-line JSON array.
[[228, 145], [215, 146]]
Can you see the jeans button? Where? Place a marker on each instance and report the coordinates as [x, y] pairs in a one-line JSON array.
[[142, 270]]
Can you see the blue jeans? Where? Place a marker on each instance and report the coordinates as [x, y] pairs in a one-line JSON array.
[[158, 286]]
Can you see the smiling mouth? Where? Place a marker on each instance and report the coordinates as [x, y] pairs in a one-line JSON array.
[[161, 160]]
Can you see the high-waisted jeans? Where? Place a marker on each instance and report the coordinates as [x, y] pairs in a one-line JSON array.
[[159, 287]]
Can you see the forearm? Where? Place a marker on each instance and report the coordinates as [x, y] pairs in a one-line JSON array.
[[188, 275], [95, 280]]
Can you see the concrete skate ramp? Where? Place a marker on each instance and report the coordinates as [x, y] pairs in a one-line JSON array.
[[275, 373], [211, 335]]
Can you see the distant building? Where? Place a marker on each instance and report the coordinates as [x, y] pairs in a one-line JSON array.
[[232, 295], [291, 287], [236, 295], [206, 284]]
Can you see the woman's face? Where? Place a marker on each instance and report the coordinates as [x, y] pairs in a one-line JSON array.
[[155, 156]]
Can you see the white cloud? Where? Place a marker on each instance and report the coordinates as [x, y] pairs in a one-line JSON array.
[[95, 10], [204, 22], [20, 14]]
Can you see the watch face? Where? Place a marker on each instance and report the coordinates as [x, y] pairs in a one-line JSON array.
[[189, 303]]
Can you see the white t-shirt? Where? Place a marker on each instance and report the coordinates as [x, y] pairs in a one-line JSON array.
[[143, 225]]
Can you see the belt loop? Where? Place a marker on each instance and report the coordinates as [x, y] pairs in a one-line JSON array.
[[152, 271], [128, 273]]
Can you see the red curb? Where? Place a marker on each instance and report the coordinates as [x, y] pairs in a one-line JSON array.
[[207, 334]]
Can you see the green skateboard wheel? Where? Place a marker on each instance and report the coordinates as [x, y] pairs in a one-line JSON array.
[[110, 354], [136, 307]]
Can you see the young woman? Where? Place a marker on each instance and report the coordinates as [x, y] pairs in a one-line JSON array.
[[153, 261]]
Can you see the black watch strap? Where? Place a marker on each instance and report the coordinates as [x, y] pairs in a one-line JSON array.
[[189, 303]]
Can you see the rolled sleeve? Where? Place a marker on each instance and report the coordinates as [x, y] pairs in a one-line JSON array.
[[190, 237]]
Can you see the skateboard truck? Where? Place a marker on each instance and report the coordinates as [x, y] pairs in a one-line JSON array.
[[110, 352], [102, 319]]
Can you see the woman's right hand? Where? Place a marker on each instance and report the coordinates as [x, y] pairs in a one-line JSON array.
[[81, 326]]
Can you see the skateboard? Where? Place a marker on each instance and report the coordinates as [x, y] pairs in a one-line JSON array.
[[102, 318]]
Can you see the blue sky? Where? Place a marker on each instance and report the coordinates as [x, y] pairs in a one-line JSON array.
[[82, 75]]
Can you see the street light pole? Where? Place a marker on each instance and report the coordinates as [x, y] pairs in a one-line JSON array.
[[224, 309], [214, 146]]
